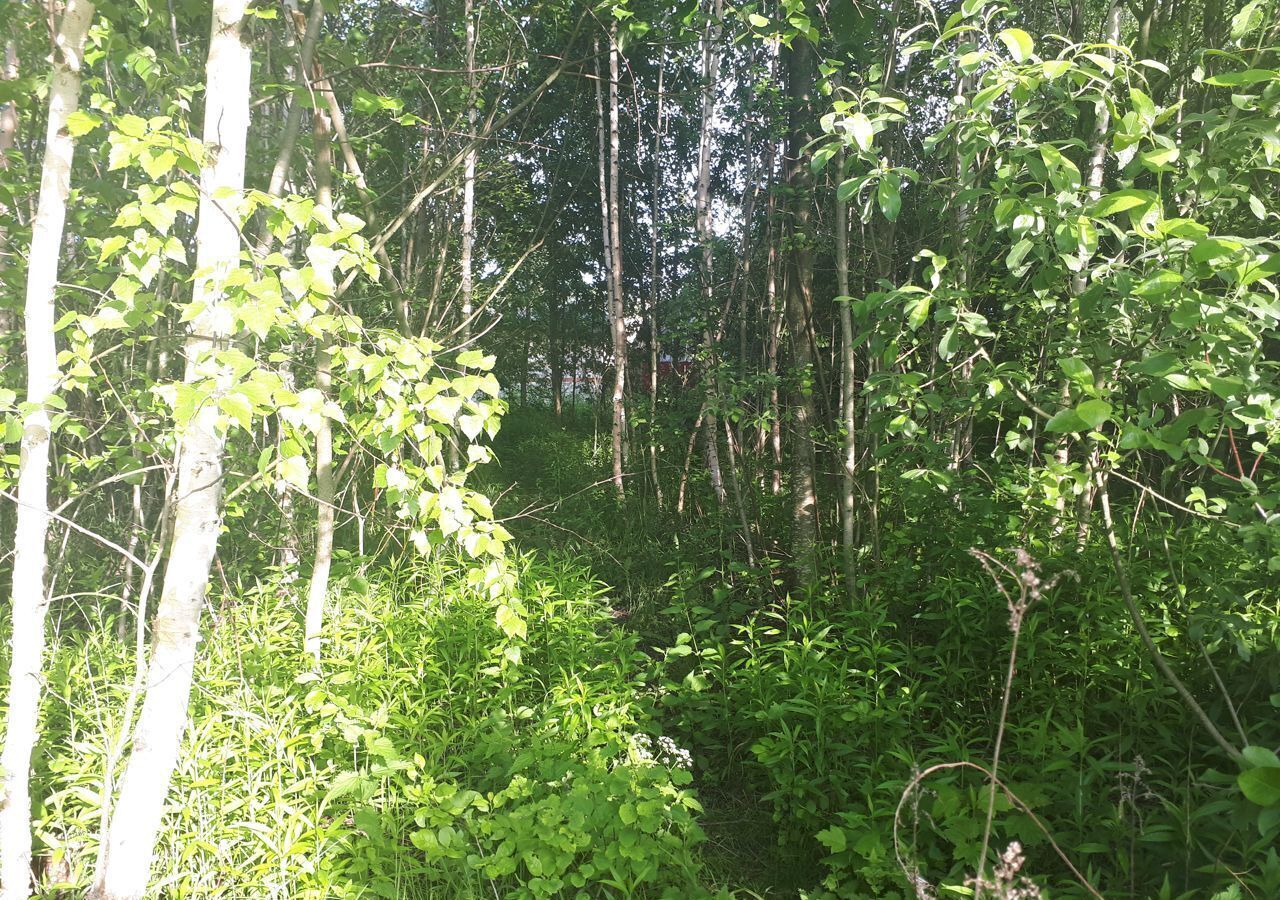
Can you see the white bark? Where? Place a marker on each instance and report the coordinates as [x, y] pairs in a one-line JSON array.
[[30, 595], [197, 518], [318, 587], [8, 135], [619, 317], [654, 291], [710, 76], [848, 401], [469, 175]]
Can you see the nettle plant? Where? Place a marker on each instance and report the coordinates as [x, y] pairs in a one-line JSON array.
[[400, 400]]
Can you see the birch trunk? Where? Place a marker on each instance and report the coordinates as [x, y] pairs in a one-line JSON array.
[[8, 135], [848, 401], [619, 320], [1093, 184], [30, 594], [469, 175], [131, 835], [318, 586], [706, 269], [799, 306], [655, 279], [603, 171]]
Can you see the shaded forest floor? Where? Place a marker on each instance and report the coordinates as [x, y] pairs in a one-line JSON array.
[[553, 480]]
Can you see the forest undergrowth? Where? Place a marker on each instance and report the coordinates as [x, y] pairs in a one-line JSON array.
[[671, 723]]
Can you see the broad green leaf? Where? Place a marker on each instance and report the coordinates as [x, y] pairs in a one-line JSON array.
[[918, 310], [1017, 253], [80, 123], [1261, 785], [889, 197], [1018, 42], [1094, 413], [1066, 421], [862, 130], [1160, 159], [475, 359], [1120, 201], [834, 839], [1143, 105], [1260, 757], [295, 471], [1077, 370], [1158, 285], [1242, 79]]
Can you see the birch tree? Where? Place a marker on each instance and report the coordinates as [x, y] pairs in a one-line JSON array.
[[132, 833], [326, 495], [30, 592], [706, 270]]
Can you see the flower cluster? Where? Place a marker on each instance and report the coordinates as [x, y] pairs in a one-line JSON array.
[[664, 751]]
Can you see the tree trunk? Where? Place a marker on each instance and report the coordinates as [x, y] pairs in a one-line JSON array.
[[318, 586], [604, 172], [1079, 282], [619, 317], [848, 401], [469, 175], [799, 305], [706, 269], [197, 518], [655, 276], [555, 351], [30, 593], [293, 122], [8, 135]]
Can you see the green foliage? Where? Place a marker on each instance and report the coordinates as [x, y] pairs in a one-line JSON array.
[[430, 755]]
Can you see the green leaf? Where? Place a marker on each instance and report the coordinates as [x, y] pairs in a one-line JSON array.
[[834, 839], [1017, 253], [850, 187], [474, 359], [511, 622], [1261, 785], [1065, 422], [1018, 42], [1077, 370], [1158, 364], [890, 197], [80, 123], [1160, 159], [1119, 201], [1144, 106], [918, 310], [862, 130], [1094, 413], [1160, 284], [1260, 757], [1241, 79], [295, 471], [111, 246]]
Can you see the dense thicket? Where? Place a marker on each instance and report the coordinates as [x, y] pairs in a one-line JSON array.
[[885, 504]]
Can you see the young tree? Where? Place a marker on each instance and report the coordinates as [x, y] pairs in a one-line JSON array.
[[131, 836], [799, 299], [326, 494], [618, 312], [30, 592], [706, 267]]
